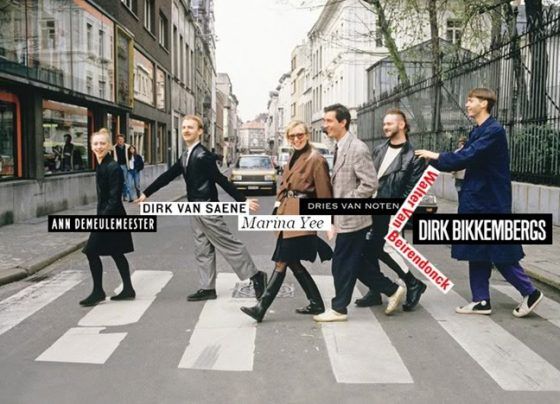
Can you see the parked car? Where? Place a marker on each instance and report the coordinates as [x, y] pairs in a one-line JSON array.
[[428, 204], [254, 172]]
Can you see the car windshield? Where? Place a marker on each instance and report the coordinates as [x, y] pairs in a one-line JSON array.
[[254, 162]]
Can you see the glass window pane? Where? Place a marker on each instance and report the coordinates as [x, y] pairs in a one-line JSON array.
[[65, 137], [160, 88], [124, 73], [8, 133], [50, 41], [143, 78], [12, 37], [92, 60]]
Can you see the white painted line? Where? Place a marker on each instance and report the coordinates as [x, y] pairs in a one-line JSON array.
[[224, 337], [28, 301], [359, 350], [512, 364], [547, 308], [147, 285], [83, 345], [87, 344]]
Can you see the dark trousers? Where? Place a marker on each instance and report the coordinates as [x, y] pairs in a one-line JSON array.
[[479, 277], [349, 263]]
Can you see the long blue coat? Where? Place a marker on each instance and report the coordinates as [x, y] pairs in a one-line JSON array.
[[486, 187]]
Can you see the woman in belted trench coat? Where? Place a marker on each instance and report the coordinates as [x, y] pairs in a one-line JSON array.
[[305, 176], [109, 180]]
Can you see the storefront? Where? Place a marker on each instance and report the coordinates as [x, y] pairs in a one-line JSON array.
[[10, 136]]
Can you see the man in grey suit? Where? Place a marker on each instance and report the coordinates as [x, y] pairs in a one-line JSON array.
[[353, 176], [210, 233]]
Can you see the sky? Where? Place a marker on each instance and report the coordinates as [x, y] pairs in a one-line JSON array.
[[255, 39]]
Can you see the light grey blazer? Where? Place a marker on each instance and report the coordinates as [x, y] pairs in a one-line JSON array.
[[353, 176]]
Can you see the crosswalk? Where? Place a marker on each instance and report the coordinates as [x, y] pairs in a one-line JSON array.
[[359, 351]]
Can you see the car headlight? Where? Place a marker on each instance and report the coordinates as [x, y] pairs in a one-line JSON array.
[[236, 177], [429, 199], [269, 177]]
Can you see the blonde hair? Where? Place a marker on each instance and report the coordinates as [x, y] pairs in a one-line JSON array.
[[195, 118], [295, 123], [104, 132]]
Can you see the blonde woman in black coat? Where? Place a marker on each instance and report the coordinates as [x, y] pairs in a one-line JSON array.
[[109, 181]]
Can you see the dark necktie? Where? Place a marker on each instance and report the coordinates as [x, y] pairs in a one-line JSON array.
[[335, 154]]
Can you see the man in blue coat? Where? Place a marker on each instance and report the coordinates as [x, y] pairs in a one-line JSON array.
[[486, 189]]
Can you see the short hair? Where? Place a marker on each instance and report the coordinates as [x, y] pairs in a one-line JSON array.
[[342, 113], [396, 111], [295, 123], [195, 118], [104, 132], [68, 136], [484, 94]]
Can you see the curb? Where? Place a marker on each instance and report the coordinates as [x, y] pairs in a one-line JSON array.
[[539, 276], [32, 267]]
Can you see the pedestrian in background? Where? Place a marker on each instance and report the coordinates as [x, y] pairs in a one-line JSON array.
[[486, 189], [109, 181], [305, 176], [120, 154], [135, 165]]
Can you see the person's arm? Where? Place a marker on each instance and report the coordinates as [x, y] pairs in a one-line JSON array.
[[116, 180], [164, 179], [468, 155], [209, 166], [366, 174], [322, 180], [418, 167]]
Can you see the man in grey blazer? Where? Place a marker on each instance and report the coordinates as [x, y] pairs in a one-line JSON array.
[[353, 176]]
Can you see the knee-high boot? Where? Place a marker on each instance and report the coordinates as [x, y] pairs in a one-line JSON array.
[[259, 310], [316, 305]]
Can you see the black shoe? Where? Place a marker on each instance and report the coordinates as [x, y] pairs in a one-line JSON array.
[[370, 299], [259, 283], [202, 294], [94, 298], [316, 305], [259, 310], [413, 294], [126, 294]]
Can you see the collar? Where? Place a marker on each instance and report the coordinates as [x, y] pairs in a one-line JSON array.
[[343, 140], [487, 122], [190, 149]]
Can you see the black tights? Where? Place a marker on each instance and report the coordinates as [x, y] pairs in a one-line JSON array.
[[96, 269], [295, 266]]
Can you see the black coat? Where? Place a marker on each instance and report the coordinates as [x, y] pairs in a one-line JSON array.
[[401, 175], [109, 180], [201, 176]]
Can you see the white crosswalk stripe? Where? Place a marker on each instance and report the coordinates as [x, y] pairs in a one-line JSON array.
[[547, 308], [30, 300], [359, 351], [87, 343], [224, 337], [511, 364], [353, 355]]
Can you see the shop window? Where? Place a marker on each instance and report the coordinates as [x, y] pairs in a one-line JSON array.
[[160, 144], [65, 137], [139, 135], [10, 137]]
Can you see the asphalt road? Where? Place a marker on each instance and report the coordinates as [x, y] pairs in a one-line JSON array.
[[161, 348]]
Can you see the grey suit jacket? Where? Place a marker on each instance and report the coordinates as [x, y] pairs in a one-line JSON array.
[[353, 176]]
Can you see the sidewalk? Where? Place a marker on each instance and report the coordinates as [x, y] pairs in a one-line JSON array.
[[27, 247], [541, 262]]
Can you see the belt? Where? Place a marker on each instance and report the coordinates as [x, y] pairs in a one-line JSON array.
[[296, 194]]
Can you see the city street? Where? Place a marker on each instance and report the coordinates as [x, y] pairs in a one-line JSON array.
[[161, 348]]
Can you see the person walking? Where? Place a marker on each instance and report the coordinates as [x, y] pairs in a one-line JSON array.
[[486, 189], [135, 165], [210, 233], [305, 176], [109, 182]]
